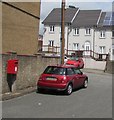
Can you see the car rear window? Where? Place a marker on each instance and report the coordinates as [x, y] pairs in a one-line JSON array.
[[55, 70]]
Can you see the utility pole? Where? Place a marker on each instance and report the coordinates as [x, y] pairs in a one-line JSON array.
[[62, 32]]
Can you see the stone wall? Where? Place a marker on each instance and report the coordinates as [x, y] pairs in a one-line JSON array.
[[110, 67], [93, 64], [29, 69]]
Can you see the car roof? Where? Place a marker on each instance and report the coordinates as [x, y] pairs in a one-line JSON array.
[[63, 66]]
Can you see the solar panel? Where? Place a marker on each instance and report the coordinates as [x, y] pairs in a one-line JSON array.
[[109, 19], [112, 22], [106, 22]]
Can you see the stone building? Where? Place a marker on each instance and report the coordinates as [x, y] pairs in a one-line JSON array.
[[20, 26]]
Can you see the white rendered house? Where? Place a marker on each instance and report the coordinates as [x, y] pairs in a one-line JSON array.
[[86, 30]]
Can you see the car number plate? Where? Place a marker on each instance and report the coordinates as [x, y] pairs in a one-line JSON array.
[[51, 78]]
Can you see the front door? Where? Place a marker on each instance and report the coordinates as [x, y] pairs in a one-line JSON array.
[[87, 48]]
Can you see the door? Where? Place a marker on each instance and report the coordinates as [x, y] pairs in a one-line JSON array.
[[79, 78], [87, 48]]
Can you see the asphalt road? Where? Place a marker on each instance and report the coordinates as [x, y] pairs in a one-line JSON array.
[[92, 102]]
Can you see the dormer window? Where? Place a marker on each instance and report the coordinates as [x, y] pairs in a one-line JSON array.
[[51, 28], [87, 31]]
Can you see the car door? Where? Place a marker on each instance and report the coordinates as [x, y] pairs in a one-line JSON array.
[[78, 77], [70, 75]]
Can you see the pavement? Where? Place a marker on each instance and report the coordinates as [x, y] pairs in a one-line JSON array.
[[10, 95], [96, 71]]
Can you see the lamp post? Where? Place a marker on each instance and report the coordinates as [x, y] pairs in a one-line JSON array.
[[62, 41]]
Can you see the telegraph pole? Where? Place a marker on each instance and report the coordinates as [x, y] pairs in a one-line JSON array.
[[62, 32]]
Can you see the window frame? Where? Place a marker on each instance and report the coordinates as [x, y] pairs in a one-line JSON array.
[[77, 73], [77, 46], [103, 49], [76, 31], [68, 72], [87, 31], [51, 29], [103, 34], [113, 34], [51, 43]]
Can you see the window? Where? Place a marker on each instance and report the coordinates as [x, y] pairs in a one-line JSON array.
[[76, 31], [102, 34], [51, 43], [77, 71], [70, 71], [75, 46], [113, 49], [51, 29], [87, 31], [113, 34], [55, 70], [102, 49]]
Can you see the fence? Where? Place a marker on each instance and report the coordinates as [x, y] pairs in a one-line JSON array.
[[80, 53]]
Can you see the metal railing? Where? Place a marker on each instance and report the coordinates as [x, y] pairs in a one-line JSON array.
[[80, 53]]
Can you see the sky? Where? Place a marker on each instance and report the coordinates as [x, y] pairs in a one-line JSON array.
[[47, 7]]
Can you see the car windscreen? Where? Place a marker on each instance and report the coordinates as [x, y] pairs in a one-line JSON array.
[[55, 70], [74, 58]]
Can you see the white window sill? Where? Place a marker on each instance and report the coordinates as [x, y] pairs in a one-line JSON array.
[[51, 32], [102, 37], [87, 34], [75, 34]]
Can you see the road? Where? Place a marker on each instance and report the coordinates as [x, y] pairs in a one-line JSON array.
[[92, 102]]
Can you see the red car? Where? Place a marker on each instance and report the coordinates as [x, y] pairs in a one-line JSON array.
[[62, 78], [77, 62]]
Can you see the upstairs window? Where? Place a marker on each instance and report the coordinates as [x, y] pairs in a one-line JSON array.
[[87, 31], [102, 34], [76, 31], [51, 29]]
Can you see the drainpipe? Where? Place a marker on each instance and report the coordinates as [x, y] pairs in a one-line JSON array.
[[94, 40]]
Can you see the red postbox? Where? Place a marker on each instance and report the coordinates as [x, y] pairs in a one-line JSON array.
[[12, 66]]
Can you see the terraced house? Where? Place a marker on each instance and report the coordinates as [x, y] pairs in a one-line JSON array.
[[86, 31]]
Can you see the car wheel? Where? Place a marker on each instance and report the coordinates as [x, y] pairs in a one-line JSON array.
[[85, 85], [69, 89], [39, 90]]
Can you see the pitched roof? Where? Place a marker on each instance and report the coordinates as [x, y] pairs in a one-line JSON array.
[[86, 18], [54, 16], [102, 19]]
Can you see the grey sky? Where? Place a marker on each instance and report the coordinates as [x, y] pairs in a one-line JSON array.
[[46, 7]]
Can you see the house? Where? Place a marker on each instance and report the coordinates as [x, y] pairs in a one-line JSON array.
[[20, 26], [89, 31]]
